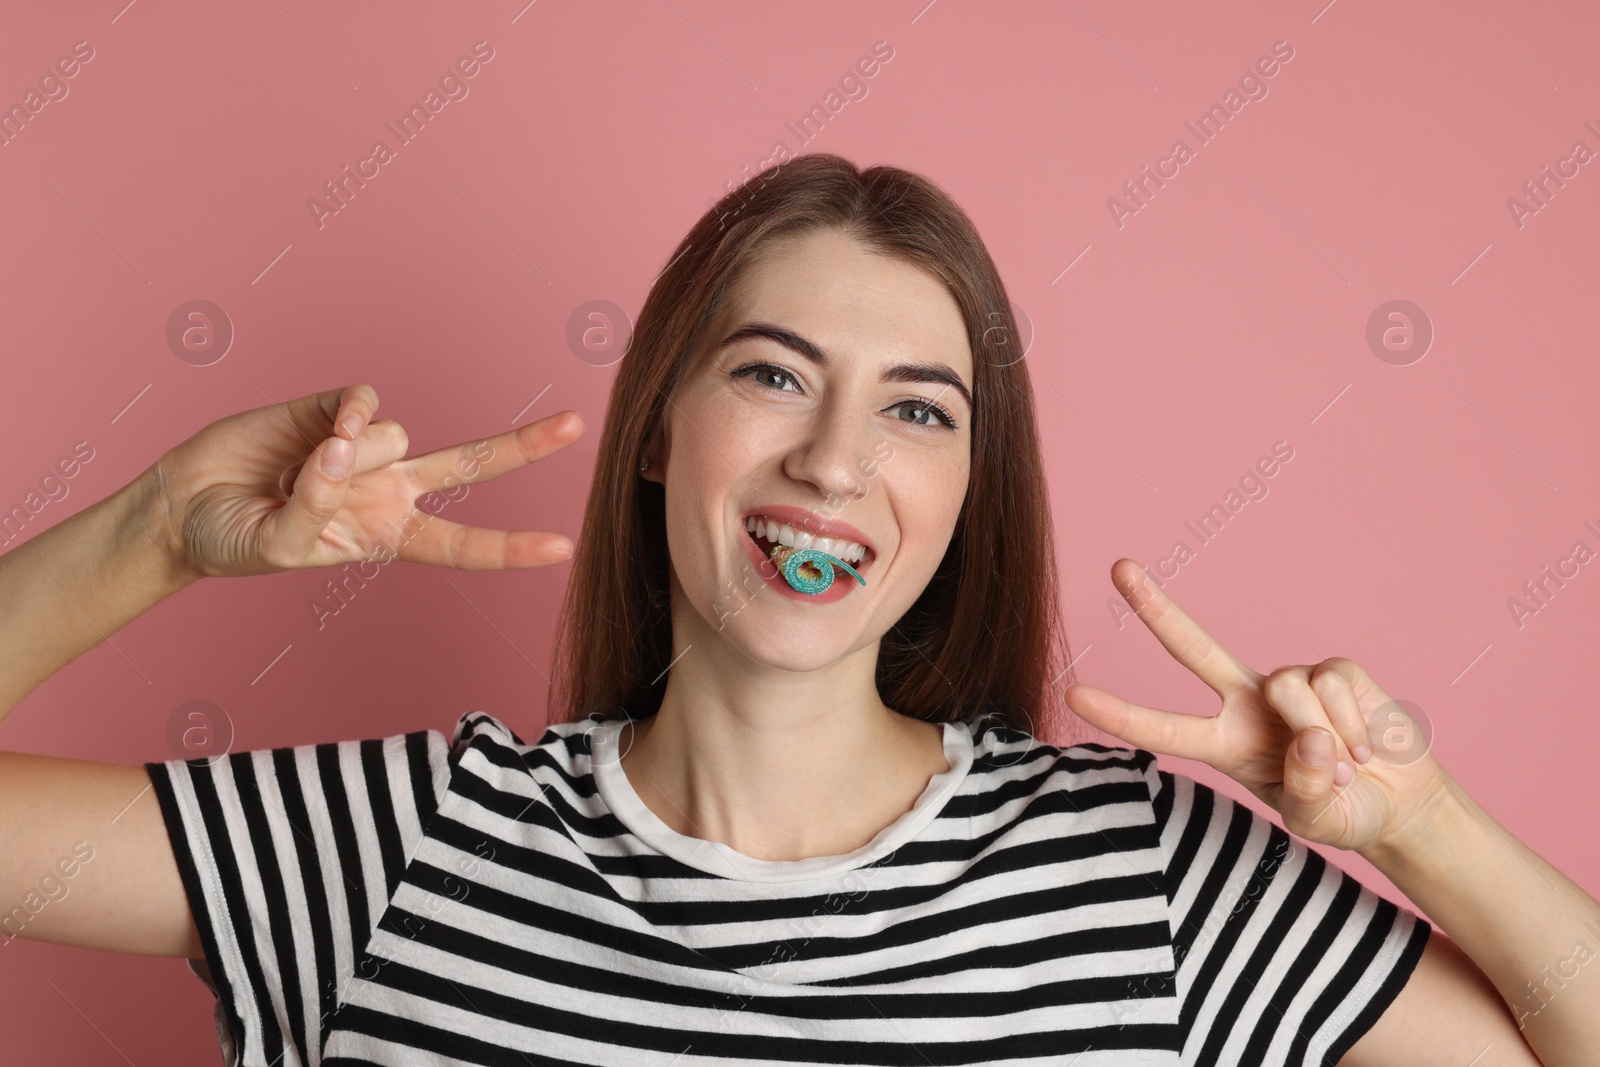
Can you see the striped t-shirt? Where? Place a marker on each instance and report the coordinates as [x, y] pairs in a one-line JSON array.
[[480, 900]]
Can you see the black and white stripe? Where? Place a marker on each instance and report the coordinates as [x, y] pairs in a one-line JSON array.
[[288, 856], [476, 901]]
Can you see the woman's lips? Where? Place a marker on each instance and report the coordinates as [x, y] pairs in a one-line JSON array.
[[770, 574], [812, 522]]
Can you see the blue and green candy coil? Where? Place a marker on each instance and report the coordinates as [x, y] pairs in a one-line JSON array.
[[793, 560]]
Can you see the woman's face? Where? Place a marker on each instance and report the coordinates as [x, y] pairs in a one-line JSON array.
[[851, 441]]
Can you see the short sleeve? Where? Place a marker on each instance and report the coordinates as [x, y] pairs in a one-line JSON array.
[[289, 857], [1282, 958]]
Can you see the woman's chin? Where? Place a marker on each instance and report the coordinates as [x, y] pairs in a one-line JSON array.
[[798, 648], [798, 662]]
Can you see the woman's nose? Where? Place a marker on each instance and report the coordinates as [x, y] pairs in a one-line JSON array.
[[832, 452]]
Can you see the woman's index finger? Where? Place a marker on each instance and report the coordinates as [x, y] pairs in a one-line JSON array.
[[353, 409], [1180, 635], [331, 407], [490, 457]]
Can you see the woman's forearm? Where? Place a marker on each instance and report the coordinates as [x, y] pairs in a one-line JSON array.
[[1532, 930], [69, 588]]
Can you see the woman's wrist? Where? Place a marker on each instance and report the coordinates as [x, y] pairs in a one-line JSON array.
[[150, 535], [1503, 905], [68, 588], [1429, 832]]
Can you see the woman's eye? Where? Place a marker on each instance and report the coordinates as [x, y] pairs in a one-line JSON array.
[[781, 376], [761, 372], [924, 414]]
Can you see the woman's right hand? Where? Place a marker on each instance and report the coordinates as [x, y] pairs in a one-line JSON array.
[[314, 482], [248, 494]]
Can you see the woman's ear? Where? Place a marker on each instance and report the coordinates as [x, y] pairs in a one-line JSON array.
[[651, 464]]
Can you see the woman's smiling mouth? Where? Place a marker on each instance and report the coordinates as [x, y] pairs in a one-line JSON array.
[[769, 526], [771, 533]]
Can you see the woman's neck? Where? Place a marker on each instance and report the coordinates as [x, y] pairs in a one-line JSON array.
[[779, 771]]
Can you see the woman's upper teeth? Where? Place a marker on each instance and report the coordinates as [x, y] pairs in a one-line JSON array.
[[784, 534]]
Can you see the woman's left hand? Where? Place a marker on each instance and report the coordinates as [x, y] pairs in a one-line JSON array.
[[1269, 724]]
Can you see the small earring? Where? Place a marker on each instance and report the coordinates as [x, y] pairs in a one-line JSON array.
[[644, 464]]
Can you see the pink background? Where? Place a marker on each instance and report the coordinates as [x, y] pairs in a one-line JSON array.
[[1227, 314]]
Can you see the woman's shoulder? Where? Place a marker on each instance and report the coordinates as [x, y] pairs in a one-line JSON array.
[[1005, 757], [560, 742], [476, 724]]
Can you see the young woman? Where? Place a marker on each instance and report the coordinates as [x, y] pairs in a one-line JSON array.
[[768, 824]]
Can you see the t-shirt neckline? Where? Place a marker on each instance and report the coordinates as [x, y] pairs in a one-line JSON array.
[[718, 859]]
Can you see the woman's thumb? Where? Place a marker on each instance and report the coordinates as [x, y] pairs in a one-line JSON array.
[[318, 493], [1308, 786]]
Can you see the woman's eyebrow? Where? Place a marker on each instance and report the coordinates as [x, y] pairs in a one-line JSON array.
[[898, 372]]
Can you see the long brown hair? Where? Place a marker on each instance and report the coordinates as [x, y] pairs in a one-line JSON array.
[[985, 636]]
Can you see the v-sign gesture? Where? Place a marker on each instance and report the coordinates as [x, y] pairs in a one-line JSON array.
[[315, 482], [1298, 738]]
